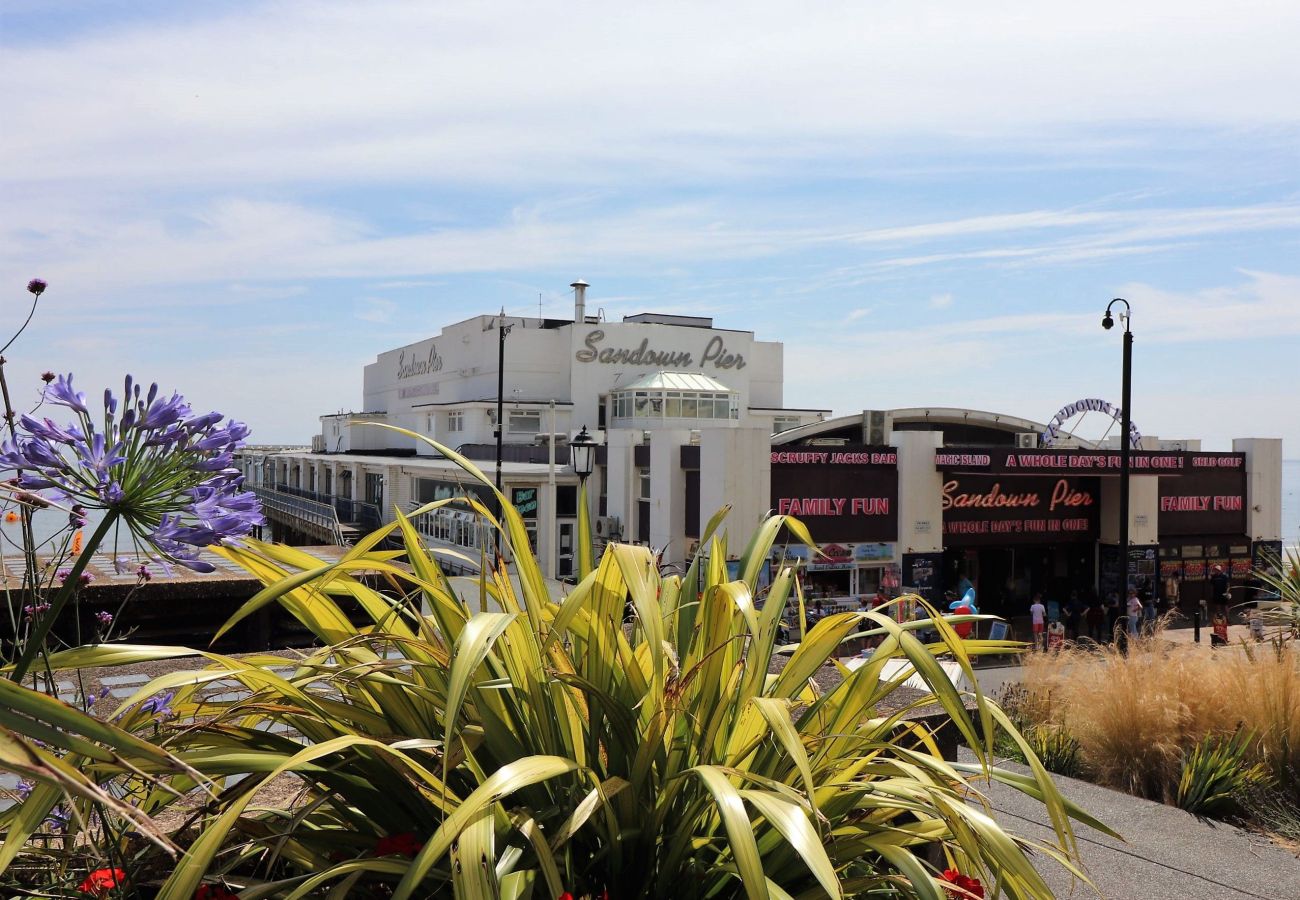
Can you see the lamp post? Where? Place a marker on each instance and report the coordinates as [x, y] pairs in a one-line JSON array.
[[582, 456], [502, 330], [1125, 436]]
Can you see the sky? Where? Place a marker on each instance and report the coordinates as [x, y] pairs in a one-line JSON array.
[[929, 204]]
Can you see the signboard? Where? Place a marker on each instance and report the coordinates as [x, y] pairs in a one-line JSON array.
[[921, 574], [1266, 556], [1095, 462], [844, 494], [1079, 407], [1142, 567], [1203, 501], [983, 509], [596, 348], [525, 501]]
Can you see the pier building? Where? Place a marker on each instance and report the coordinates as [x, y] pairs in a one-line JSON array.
[[689, 415]]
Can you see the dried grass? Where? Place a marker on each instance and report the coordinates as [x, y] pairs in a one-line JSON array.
[[1136, 715]]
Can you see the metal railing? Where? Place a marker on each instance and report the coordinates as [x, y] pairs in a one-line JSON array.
[[365, 516], [310, 515]]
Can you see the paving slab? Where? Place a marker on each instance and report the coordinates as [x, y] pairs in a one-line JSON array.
[[1167, 853]]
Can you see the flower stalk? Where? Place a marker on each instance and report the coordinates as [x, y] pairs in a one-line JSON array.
[[41, 627]]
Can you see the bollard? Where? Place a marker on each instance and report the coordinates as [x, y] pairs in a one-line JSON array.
[[1196, 626]]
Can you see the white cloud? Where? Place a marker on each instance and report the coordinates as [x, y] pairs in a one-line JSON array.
[[396, 91], [375, 309], [941, 301]]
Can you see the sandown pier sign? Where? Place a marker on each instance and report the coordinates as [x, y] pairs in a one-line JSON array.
[[1078, 408], [418, 365], [715, 353]]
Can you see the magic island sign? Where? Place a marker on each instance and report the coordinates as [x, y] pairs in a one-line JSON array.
[[715, 352], [418, 365]]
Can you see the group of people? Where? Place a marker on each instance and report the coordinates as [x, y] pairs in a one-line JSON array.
[[1086, 615]]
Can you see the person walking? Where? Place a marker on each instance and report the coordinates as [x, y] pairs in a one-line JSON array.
[[1073, 608], [1220, 589], [1038, 618], [1095, 617], [1134, 610], [1149, 614]]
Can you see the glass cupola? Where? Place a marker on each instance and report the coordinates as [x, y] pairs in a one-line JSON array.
[[688, 399]]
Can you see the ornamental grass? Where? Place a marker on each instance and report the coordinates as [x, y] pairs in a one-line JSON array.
[[479, 738], [1137, 716]]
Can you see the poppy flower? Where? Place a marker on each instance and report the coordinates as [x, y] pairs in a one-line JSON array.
[[215, 892], [972, 886], [404, 843], [99, 882]]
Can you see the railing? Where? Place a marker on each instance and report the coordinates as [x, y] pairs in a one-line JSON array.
[[365, 516], [314, 515]]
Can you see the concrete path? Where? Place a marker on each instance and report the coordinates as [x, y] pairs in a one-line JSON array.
[[1167, 852]]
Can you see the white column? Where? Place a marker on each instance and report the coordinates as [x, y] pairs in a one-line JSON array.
[[621, 471], [736, 468], [920, 492], [668, 493], [1263, 488]]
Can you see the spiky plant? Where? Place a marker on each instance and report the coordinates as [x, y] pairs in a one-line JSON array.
[[480, 738]]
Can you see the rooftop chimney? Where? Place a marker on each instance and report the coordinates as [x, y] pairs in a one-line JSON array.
[[580, 301]]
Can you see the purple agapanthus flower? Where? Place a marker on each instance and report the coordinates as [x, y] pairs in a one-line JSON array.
[[164, 472]]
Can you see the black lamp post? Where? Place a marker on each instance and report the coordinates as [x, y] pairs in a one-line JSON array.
[[1124, 425], [502, 330], [582, 456]]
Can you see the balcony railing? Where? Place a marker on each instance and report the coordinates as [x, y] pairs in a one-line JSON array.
[[318, 519], [364, 516]]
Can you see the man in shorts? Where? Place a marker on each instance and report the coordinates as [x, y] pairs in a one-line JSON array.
[[1038, 616]]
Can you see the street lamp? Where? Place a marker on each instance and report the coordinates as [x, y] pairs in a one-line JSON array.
[[502, 330], [582, 456], [1124, 425]]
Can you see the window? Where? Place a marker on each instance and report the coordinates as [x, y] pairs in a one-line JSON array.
[[643, 484], [784, 423], [429, 423], [455, 421], [524, 422]]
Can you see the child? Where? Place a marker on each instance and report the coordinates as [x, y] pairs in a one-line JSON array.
[[1038, 616], [1255, 619], [1056, 636], [1219, 638]]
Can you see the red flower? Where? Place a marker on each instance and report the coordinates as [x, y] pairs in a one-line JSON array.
[[971, 886], [99, 882], [565, 896], [404, 842], [215, 892]]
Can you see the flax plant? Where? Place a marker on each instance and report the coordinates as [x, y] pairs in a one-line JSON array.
[[481, 738]]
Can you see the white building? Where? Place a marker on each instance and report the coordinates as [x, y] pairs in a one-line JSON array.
[[691, 417], [645, 387]]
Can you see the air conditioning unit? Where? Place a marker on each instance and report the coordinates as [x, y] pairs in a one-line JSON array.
[[1027, 440], [607, 528], [876, 425]]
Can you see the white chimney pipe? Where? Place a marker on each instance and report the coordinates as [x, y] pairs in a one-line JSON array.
[[580, 301]]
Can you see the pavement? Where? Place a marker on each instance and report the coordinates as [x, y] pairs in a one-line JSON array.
[[1167, 853]]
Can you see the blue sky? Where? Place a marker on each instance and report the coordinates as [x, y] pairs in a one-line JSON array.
[[929, 204]]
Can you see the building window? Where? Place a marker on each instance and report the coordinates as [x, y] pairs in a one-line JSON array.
[[455, 421], [784, 423], [524, 422], [643, 484], [429, 422]]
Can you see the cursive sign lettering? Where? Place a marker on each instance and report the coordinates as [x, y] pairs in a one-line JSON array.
[[426, 366], [715, 353]]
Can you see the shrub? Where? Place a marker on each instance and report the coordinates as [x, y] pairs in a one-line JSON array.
[[477, 737], [1216, 776], [1137, 715]]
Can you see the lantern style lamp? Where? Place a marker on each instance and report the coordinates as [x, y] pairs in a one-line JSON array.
[[582, 454]]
